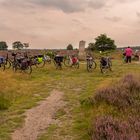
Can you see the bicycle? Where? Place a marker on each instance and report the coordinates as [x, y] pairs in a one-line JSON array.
[[58, 62], [67, 61], [7, 62], [91, 64], [71, 62], [47, 59], [105, 64], [37, 60], [23, 64]]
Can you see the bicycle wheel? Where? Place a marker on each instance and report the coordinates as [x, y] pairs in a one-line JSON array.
[[91, 65], [59, 66], [110, 63], [76, 65], [7, 64], [67, 62], [49, 61], [103, 69], [2, 67], [28, 70], [15, 66]]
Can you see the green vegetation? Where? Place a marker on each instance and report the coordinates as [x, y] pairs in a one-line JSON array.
[[102, 43], [3, 45], [19, 46], [70, 47], [21, 92]]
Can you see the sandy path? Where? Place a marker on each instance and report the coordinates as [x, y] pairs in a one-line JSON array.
[[40, 117]]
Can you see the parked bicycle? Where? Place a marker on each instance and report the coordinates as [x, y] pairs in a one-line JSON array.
[[47, 59], [71, 61], [91, 64], [37, 60], [22, 64], [58, 62], [8, 62], [105, 64]]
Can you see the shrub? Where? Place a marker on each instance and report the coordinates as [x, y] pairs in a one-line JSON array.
[[126, 93], [135, 124], [107, 128]]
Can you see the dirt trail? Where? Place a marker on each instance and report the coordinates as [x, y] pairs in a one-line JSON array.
[[40, 117]]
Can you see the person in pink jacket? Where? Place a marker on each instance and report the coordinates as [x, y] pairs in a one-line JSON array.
[[128, 54]]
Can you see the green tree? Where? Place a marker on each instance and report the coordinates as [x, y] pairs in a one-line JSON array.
[[3, 45], [91, 47], [104, 43], [26, 45], [69, 47], [17, 45]]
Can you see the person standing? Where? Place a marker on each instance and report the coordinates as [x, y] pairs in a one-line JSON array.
[[128, 53]]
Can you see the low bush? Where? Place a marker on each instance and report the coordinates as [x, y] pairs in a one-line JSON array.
[[124, 94], [108, 128]]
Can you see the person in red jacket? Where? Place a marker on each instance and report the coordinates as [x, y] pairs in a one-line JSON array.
[[128, 54]]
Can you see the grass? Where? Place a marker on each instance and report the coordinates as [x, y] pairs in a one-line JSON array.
[[25, 91]]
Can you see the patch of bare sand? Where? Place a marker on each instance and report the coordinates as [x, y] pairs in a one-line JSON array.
[[40, 117]]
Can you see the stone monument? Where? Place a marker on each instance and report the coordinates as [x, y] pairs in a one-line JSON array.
[[82, 53]]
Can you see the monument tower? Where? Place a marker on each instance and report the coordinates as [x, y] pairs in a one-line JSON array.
[[82, 53]]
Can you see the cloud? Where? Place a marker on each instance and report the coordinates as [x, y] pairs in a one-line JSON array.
[[97, 4], [67, 6], [138, 14], [55, 23], [70, 6], [113, 19]]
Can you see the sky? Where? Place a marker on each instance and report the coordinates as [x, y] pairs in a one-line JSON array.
[[57, 23]]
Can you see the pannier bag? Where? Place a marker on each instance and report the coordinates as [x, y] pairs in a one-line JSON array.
[[1, 59], [40, 59], [58, 58], [103, 61], [24, 64]]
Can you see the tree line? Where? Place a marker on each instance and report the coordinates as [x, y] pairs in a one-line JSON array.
[[15, 45], [102, 43]]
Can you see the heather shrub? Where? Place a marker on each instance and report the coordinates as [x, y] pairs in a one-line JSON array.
[[135, 124], [107, 128], [132, 83], [125, 93]]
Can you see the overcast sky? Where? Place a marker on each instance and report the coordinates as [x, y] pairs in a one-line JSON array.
[[56, 23]]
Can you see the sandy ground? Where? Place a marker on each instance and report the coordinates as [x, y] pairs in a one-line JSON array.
[[40, 117]]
